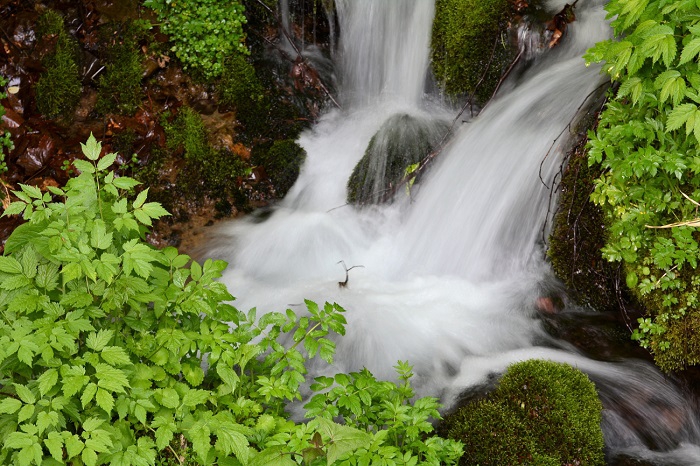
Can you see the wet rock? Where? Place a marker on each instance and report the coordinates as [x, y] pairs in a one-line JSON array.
[[624, 460]]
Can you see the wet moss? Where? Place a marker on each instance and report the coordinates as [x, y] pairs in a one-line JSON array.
[[401, 141], [578, 235], [119, 87], [541, 413], [468, 44], [282, 161], [58, 88], [241, 89]]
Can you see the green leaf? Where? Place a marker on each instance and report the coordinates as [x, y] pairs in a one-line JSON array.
[[74, 446], [10, 265], [142, 217], [154, 210], [25, 394], [9, 406], [14, 208], [124, 182], [277, 455], [111, 378], [91, 148], [89, 457], [25, 413], [140, 199], [32, 191], [690, 51], [195, 397], [17, 440], [83, 166], [88, 394], [115, 355], [231, 439], [97, 341], [343, 439], [106, 162], [104, 400], [679, 115], [54, 443], [99, 238], [47, 381]]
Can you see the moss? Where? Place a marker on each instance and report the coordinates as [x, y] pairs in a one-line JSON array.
[[207, 171], [468, 42], [578, 235], [241, 89], [541, 413], [282, 161], [401, 141], [58, 88], [119, 88], [50, 23]]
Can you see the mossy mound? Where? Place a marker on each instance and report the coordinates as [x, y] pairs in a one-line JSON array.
[[241, 89], [541, 413], [282, 161], [58, 89], [401, 141], [469, 43]]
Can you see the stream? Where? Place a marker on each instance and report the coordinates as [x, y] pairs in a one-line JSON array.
[[447, 276]]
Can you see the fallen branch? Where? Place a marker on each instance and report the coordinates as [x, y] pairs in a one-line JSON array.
[[344, 284]]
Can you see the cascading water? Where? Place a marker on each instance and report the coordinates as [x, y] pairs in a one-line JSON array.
[[450, 276]]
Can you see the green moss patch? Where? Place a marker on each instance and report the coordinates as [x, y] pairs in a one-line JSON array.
[[541, 413], [468, 44], [282, 161]]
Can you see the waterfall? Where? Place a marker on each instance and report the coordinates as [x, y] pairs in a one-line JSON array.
[[450, 274]]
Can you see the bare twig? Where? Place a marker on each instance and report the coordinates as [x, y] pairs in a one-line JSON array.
[[344, 284]]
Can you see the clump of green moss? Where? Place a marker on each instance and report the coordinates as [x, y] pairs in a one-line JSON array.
[[578, 234], [241, 89], [58, 89], [401, 141], [468, 43], [207, 171], [541, 413], [282, 161], [119, 88]]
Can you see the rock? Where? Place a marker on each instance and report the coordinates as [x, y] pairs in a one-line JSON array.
[[39, 149]]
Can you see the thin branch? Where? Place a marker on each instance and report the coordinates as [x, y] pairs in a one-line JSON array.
[[344, 284]]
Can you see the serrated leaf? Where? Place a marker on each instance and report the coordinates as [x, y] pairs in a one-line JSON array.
[[124, 182], [97, 341], [200, 436], [83, 166], [115, 355], [14, 282], [25, 413], [193, 374], [110, 378], [99, 237], [169, 398], [9, 406], [140, 199], [73, 446], [88, 394], [104, 400], [10, 265], [106, 162], [47, 381], [46, 419], [690, 51], [343, 439], [89, 457], [25, 394], [195, 397], [17, 440], [273, 456], [32, 191], [91, 148], [679, 115], [14, 208], [142, 217], [231, 439], [163, 436], [154, 210], [54, 443], [47, 276]]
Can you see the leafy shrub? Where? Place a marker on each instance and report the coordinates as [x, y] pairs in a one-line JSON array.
[[541, 413], [119, 88], [113, 352], [58, 89], [646, 142], [282, 162], [204, 32], [466, 43]]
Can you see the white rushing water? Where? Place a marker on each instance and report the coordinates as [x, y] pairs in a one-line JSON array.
[[450, 277]]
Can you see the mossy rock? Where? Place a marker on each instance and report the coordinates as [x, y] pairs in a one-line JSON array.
[[469, 42], [578, 234], [541, 413], [241, 89], [402, 140], [282, 161], [58, 88]]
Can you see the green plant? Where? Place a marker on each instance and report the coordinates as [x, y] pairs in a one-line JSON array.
[[58, 89], [113, 352], [282, 162], [204, 32], [241, 89], [646, 143], [119, 88], [541, 413], [5, 136], [468, 50]]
